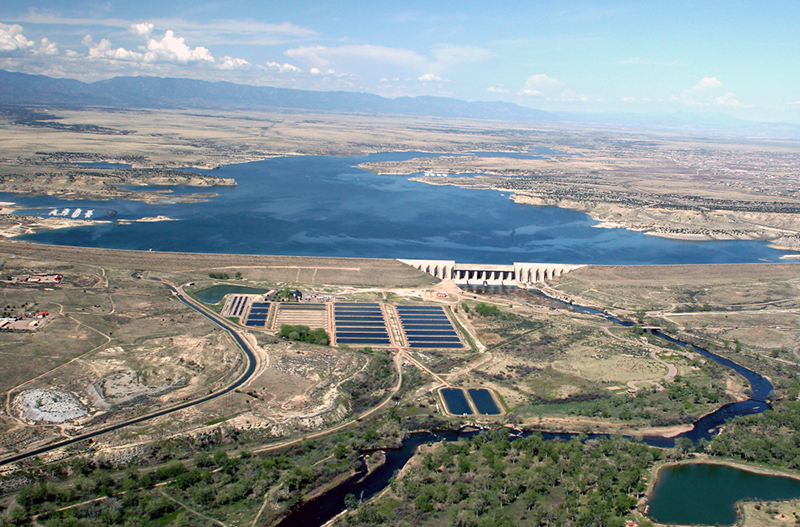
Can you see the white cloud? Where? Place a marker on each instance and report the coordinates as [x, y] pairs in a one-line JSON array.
[[230, 63], [12, 39], [448, 55], [430, 77], [143, 30], [497, 89], [572, 96], [536, 85], [222, 31], [46, 48], [170, 49], [283, 68], [729, 99], [707, 83], [174, 49], [321, 56], [707, 93], [542, 80], [104, 50]]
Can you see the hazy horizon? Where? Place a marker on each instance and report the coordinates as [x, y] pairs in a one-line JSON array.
[[588, 57]]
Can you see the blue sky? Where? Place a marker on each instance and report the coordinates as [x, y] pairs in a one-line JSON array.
[[739, 58]]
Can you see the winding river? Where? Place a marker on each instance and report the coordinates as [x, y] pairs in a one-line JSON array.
[[322, 509]]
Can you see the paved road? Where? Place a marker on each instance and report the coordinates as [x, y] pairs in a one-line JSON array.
[[249, 370]]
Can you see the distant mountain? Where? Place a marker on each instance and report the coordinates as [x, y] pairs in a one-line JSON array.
[[157, 92]]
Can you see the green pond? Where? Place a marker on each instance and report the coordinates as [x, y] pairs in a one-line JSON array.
[[215, 293], [706, 494]]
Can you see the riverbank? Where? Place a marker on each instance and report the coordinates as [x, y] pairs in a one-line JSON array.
[[578, 425]]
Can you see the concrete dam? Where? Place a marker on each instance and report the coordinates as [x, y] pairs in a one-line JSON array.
[[520, 274]]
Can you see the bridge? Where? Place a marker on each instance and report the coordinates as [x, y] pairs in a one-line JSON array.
[[519, 274]]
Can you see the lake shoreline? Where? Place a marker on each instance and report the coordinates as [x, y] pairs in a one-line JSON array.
[[704, 459]]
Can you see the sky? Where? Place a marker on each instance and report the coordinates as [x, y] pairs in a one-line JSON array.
[[730, 57]]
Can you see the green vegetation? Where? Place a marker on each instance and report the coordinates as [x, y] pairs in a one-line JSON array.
[[487, 310], [769, 438], [305, 334], [490, 480], [369, 387], [219, 276]]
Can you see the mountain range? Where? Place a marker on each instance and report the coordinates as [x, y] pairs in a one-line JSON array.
[[20, 89]]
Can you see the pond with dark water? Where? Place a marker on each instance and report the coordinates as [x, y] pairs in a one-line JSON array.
[[456, 401], [216, 293], [484, 401]]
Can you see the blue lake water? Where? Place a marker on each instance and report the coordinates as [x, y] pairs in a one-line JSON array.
[[325, 206], [706, 494]]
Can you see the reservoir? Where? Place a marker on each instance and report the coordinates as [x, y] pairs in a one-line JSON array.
[[327, 206], [706, 494]]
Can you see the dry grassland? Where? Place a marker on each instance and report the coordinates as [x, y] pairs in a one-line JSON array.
[[123, 345], [288, 269], [172, 138], [755, 307]]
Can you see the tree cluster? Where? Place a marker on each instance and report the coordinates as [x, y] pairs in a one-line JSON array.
[[305, 334], [492, 481]]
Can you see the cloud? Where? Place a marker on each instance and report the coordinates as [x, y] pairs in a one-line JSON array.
[[430, 77], [572, 96], [449, 55], [542, 80], [707, 93], [321, 56], [174, 49], [536, 85], [143, 30], [729, 99], [282, 68], [12, 39], [46, 48], [707, 83], [222, 31], [230, 63], [170, 49], [497, 89]]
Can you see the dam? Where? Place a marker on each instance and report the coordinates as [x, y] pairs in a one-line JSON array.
[[520, 274]]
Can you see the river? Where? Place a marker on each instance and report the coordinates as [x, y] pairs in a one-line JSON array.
[[322, 509]]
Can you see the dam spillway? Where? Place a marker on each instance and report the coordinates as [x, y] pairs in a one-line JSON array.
[[520, 274]]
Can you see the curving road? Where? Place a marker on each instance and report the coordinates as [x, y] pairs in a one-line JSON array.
[[251, 368]]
